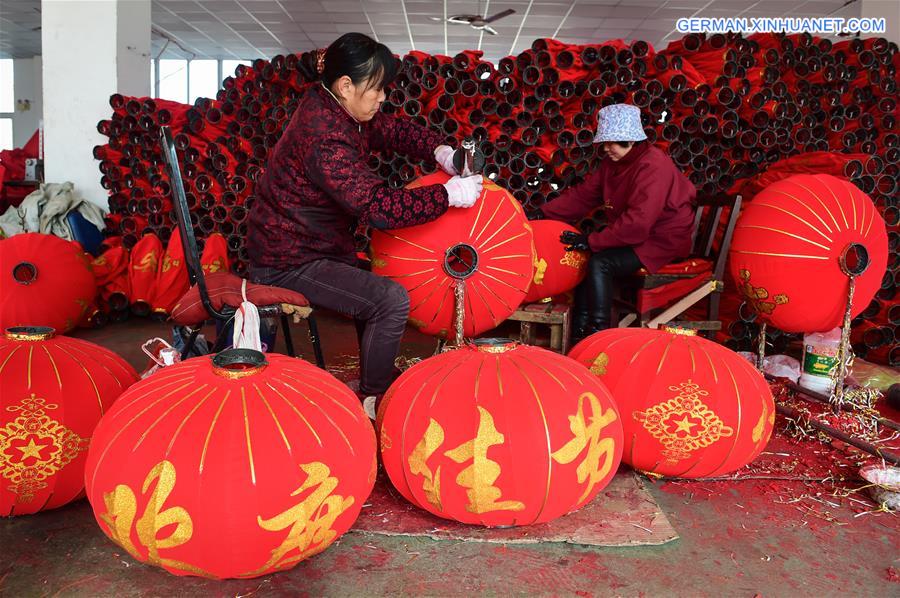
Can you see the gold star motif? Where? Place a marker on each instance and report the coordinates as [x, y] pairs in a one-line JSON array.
[[684, 425], [32, 449]]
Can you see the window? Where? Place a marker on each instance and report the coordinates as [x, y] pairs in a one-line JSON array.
[[229, 66], [173, 80], [204, 79], [7, 103]]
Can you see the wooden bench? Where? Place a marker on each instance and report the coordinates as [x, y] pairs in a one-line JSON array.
[[554, 315]]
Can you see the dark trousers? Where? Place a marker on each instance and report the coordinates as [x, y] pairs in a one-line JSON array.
[[593, 297], [379, 306]]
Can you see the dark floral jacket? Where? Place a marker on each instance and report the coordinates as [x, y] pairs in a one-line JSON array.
[[317, 188]]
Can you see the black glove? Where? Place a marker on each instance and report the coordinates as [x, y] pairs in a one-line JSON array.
[[574, 241]]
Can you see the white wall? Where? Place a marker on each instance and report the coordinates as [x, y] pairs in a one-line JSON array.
[[887, 9], [91, 50], [27, 82]]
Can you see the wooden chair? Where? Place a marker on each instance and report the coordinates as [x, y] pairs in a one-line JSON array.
[[554, 315], [655, 299], [195, 270]]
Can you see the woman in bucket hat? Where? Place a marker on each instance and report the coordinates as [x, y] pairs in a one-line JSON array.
[[649, 208]]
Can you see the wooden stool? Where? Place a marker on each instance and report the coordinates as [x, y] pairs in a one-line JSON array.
[[556, 315]]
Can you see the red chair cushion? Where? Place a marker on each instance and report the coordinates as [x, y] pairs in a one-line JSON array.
[[225, 290], [692, 266]]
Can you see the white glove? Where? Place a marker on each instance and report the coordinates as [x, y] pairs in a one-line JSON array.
[[443, 154], [463, 192]]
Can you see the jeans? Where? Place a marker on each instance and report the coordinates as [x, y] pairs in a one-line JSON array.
[[379, 306], [593, 297]]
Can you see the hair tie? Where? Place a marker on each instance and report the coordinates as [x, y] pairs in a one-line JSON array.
[[320, 60]]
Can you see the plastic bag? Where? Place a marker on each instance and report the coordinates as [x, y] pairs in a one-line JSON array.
[[780, 366]]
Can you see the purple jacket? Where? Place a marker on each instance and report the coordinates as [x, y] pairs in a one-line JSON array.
[[317, 188], [650, 206]]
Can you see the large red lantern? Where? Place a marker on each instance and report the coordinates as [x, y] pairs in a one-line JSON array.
[[231, 467], [53, 391], [690, 408], [497, 433], [490, 246], [786, 254], [46, 281], [555, 270], [142, 271]]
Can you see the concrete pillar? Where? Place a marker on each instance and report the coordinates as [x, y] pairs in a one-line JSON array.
[[27, 81], [889, 10], [91, 50]]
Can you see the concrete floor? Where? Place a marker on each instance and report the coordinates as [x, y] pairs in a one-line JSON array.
[[745, 538]]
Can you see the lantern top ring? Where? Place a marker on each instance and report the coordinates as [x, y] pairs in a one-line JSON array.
[[679, 330], [461, 261], [494, 345], [25, 273], [30, 333], [238, 363], [854, 259]]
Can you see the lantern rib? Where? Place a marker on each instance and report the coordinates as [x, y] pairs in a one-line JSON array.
[[641, 350], [212, 425], [502, 243], [786, 233], [798, 218], [494, 293], [422, 284], [483, 300], [56, 369], [853, 203], [769, 253], [128, 424], [409, 259], [326, 383], [510, 272], [840, 207], [28, 372], [712, 365], [871, 222], [185, 420], [503, 282], [662, 359], [737, 429], [837, 226], [137, 398], [411, 274], [510, 256], [408, 242], [165, 414], [498, 230], [822, 203], [540, 405], [85, 353], [427, 297], [440, 306], [86, 373], [247, 435], [693, 360], [8, 357], [477, 218], [287, 443], [294, 407], [486, 224]]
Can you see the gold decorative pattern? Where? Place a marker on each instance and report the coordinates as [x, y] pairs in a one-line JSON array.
[[758, 296], [760, 425], [540, 268], [378, 263], [684, 423], [598, 460], [236, 374], [679, 330], [34, 447], [148, 263], [217, 265], [31, 334], [121, 510], [169, 262], [430, 442], [310, 522], [574, 259], [598, 368]]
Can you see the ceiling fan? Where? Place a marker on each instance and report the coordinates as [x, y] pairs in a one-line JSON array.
[[477, 22]]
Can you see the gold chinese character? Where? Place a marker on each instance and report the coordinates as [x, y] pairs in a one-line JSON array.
[[479, 477], [309, 521], [599, 458], [121, 509], [433, 438], [148, 263], [540, 268]]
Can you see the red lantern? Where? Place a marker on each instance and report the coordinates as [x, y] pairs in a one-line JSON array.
[[231, 467], [556, 270], [53, 391], [496, 433], [111, 273], [690, 408], [489, 245], [215, 255], [145, 256], [46, 282], [172, 278], [787, 247]]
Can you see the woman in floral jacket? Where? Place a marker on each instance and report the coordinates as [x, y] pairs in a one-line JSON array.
[[317, 188]]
